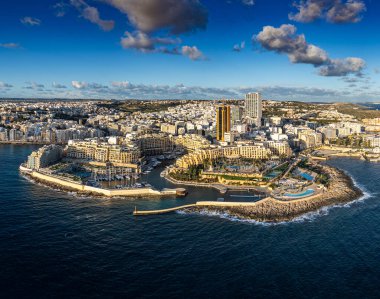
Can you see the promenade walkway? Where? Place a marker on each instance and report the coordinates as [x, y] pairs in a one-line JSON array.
[[164, 211]]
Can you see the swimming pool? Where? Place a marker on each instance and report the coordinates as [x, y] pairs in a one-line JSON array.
[[307, 176], [308, 192]]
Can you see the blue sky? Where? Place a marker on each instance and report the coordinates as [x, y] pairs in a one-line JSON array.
[[313, 50]]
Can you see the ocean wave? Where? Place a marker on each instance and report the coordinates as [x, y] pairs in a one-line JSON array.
[[225, 215]]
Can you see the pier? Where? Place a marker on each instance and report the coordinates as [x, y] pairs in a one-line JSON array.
[[164, 211], [197, 204]]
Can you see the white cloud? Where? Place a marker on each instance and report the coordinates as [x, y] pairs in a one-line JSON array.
[[143, 42], [343, 67], [30, 21], [61, 9], [192, 52], [34, 86], [248, 2], [91, 14], [177, 16], [4, 85], [284, 40], [86, 85], [239, 47], [57, 85], [79, 85], [334, 11], [10, 45]]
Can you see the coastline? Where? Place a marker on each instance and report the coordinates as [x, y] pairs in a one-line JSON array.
[[24, 142], [61, 184], [341, 190]]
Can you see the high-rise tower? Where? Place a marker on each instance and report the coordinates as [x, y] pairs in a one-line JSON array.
[[254, 107], [223, 121]]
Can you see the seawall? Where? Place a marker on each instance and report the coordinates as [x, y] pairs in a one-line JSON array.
[[341, 190], [68, 185]]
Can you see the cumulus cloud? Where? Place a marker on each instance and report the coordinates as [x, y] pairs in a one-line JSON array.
[[248, 2], [30, 21], [79, 85], [126, 89], [177, 16], [143, 42], [59, 86], [181, 90], [91, 14], [239, 47], [61, 9], [4, 85], [10, 45], [169, 17], [343, 67], [334, 11], [284, 40], [34, 86], [86, 85], [192, 52]]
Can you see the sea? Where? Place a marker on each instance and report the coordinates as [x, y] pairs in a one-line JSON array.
[[55, 244]]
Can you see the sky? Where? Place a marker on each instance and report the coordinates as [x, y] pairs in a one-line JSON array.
[[307, 50]]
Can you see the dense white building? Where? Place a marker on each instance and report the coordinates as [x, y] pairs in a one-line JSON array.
[[254, 107]]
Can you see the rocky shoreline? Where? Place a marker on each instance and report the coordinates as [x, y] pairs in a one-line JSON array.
[[341, 190]]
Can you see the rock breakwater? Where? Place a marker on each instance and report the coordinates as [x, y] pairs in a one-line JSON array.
[[341, 190]]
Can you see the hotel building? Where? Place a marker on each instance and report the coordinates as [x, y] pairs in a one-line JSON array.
[[223, 121], [254, 107]]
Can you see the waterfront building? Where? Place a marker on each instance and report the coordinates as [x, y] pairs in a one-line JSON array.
[[255, 152], [95, 150], [191, 142], [253, 107], [45, 156], [4, 135], [372, 140], [223, 121], [155, 144], [15, 135], [329, 133]]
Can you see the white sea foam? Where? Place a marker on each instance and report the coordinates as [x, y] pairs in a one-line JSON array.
[[307, 217], [225, 215]]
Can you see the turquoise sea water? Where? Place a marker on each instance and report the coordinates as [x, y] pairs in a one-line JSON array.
[[57, 245]]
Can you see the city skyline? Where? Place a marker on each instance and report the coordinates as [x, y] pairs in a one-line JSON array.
[[287, 50]]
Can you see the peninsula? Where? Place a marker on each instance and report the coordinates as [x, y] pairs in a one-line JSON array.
[[272, 150]]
